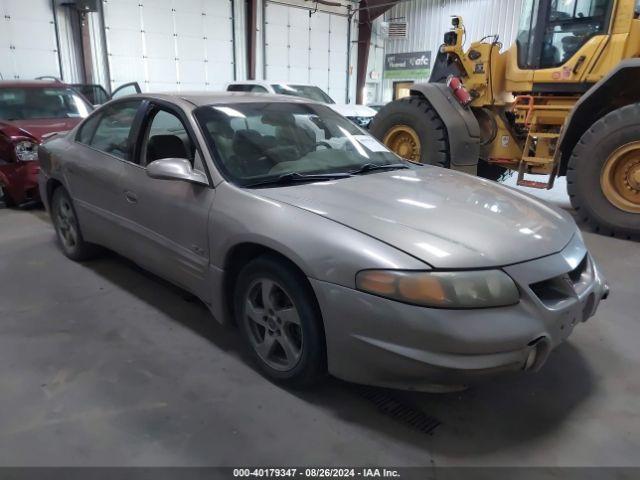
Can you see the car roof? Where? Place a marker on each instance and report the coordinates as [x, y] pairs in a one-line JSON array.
[[266, 82], [199, 99], [31, 84]]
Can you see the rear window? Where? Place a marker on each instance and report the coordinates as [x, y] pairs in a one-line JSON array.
[[34, 103]]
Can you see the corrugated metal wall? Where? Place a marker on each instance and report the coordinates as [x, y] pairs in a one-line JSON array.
[[428, 20]]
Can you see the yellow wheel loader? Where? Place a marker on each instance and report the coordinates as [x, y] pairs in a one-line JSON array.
[[563, 100]]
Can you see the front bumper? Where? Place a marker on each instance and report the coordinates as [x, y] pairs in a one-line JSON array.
[[22, 183], [376, 341]]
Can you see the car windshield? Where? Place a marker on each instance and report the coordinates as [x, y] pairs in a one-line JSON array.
[[257, 143], [35, 103], [303, 91]]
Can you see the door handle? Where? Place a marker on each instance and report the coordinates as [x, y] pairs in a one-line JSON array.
[[130, 196], [579, 63]]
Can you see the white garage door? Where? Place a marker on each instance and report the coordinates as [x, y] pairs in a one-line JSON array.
[[170, 44], [306, 49], [28, 46]]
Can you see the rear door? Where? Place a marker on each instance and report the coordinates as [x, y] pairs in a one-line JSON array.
[[171, 216], [95, 172]]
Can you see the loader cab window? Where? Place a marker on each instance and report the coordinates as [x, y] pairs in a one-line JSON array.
[[552, 31], [525, 39]]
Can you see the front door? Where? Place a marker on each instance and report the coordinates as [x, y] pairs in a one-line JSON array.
[[171, 216], [95, 173]]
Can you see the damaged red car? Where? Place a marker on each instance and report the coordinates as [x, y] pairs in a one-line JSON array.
[[29, 110]]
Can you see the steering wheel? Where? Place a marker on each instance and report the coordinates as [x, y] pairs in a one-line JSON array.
[[322, 143]]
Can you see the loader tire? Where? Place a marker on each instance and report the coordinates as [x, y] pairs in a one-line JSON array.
[[413, 129], [603, 174]]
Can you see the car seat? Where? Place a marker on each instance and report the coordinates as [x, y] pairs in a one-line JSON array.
[[166, 146]]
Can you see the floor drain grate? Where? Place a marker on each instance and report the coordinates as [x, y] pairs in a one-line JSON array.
[[398, 410]]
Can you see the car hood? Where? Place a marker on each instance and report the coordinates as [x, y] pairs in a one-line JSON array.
[[36, 128], [447, 219], [353, 110]]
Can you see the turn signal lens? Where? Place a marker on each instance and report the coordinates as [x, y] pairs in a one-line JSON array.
[[382, 283], [476, 289]]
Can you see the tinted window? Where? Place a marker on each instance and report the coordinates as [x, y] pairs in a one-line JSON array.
[[114, 128], [45, 102], [247, 88], [239, 88]]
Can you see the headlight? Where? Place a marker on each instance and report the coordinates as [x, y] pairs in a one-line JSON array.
[[476, 289], [27, 151]]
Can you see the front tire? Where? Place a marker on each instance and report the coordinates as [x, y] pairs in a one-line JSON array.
[[65, 222], [603, 175], [412, 129], [278, 315]]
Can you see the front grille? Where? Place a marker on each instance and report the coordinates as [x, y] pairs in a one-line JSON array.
[[553, 291]]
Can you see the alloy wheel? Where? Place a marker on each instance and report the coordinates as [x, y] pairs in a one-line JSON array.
[[66, 224], [273, 324]]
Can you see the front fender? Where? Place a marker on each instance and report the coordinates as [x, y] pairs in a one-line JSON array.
[[463, 130], [322, 248]]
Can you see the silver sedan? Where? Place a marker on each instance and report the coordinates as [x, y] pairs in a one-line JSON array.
[[329, 252]]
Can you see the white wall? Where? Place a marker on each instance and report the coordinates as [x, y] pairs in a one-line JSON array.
[[375, 65], [170, 44], [307, 45], [428, 20], [28, 46]]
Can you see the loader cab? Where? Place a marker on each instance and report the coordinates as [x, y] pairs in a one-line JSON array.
[[552, 32]]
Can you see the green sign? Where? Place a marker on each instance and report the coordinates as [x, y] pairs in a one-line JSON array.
[[411, 65], [415, 74]]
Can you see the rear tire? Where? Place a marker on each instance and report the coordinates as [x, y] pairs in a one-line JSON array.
[[65, 222], [586, 177], [279, 317], [419, 116]]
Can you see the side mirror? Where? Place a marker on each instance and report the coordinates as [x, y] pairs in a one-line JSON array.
[[176, 169]]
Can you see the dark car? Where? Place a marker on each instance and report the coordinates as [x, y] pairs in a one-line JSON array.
[[29, 110]]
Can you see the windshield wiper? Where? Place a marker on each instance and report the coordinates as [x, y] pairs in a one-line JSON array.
[[294, 177], [372, 167]]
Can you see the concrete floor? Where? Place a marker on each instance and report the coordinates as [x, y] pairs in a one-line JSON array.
[[104, 364]]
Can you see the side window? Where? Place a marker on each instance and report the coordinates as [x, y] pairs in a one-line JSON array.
[[88, 128], [258, 89], [525, 38], [239, 88], [167, 137], [114, 128], [571, 24]]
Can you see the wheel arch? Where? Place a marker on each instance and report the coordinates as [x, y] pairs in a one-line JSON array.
[[238, 256], [618, 89], [52, 185]]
